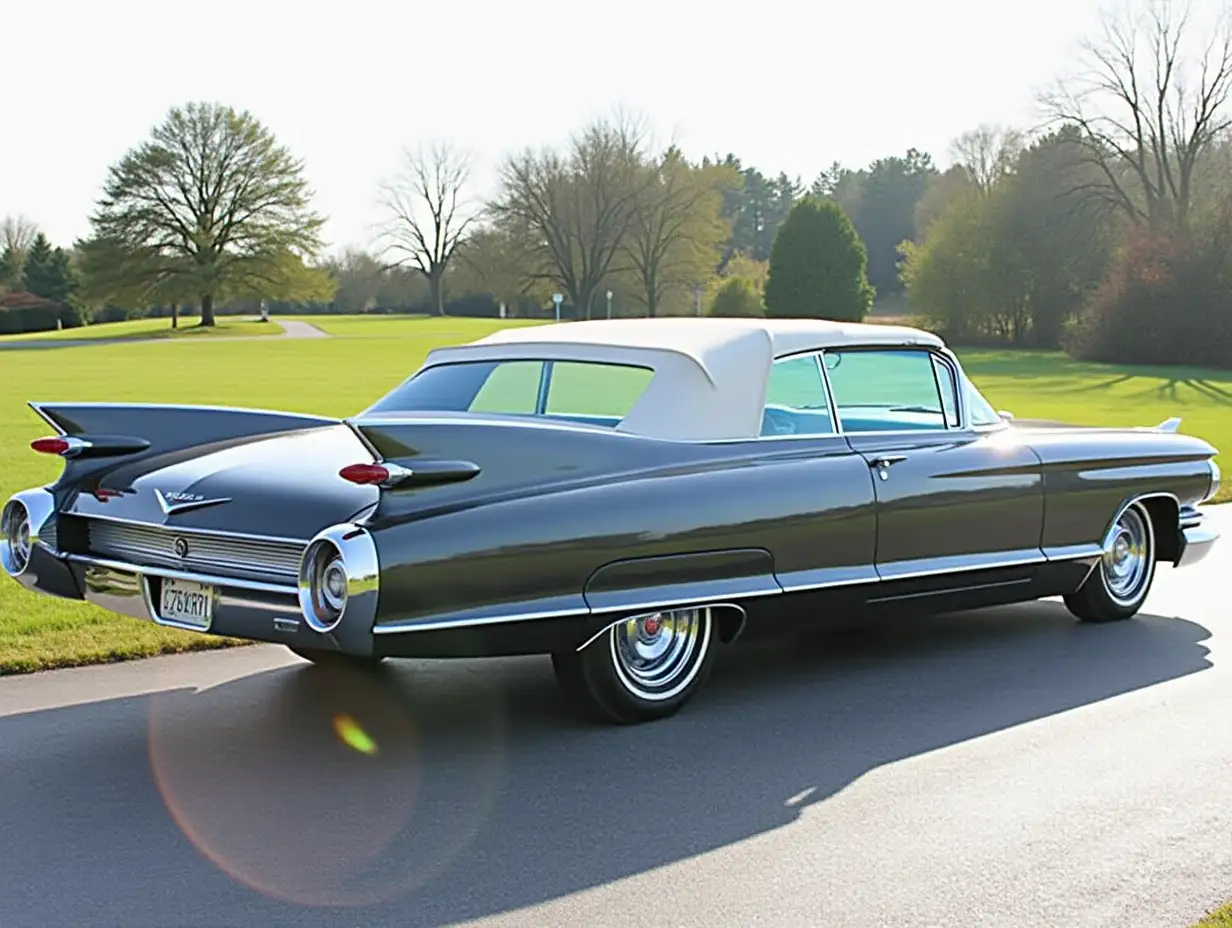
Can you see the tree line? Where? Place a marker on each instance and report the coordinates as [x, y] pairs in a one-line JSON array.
[[1106, 232]]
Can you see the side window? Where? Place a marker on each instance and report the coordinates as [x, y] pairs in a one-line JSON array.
[[598, 391], [796, 399], [891, 390], [511, 388]]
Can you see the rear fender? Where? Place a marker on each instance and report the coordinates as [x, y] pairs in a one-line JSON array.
[[111, 435]]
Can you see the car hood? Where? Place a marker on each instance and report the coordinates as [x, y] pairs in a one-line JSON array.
[[285, 486]]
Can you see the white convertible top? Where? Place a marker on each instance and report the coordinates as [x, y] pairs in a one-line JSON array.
[[710, 374]]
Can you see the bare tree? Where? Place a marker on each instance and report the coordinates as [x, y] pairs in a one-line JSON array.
[[16, 235], [987, 153], [676, 230], [17, 232], [428, 217], [1150, 103], [571, 213]]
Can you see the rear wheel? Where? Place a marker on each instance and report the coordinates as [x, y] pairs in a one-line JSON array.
[[336, 658], [1119, 584], [643, 668]]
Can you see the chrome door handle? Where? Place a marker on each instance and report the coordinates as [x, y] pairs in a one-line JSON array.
[[883, 462]]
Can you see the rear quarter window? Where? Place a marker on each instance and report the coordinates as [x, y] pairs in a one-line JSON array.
[[602, 394]]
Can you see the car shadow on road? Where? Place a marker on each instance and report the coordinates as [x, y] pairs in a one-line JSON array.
[[436, 792]]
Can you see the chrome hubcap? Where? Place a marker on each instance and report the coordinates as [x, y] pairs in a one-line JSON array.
[[1126, 562], [15, 542], [656, 655]]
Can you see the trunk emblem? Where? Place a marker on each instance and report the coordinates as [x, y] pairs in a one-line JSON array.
[[179, 502]]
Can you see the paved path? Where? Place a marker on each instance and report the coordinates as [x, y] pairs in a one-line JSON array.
[[1007, 767], [291, 328]]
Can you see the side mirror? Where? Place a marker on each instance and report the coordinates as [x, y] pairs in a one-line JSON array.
[[1006, 416]]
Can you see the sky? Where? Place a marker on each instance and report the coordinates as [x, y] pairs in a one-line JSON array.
[[787, 86]]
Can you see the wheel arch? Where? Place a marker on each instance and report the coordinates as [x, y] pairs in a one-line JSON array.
[[729, 618], [1164, 510]]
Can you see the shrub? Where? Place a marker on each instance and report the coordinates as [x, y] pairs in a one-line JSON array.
[[1167, 299], [738, 296], [818, 265]]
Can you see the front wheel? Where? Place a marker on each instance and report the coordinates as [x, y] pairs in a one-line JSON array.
[[643, 668], [1119, 584]]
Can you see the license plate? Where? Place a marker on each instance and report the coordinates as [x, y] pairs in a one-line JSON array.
[[186, 603]]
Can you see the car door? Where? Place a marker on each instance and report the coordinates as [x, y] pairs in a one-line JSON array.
[[956, 505], [826, 534]]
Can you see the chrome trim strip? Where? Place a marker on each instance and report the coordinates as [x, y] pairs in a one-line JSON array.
[[1073, 552], [513, 420], [413, 625], [212, 532], [38, 411], [911, 570], [827, 577], [210, 579], [416, 625], [1106, 537], [654, 605]]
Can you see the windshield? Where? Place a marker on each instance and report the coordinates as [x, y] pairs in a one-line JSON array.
[[979, 409]]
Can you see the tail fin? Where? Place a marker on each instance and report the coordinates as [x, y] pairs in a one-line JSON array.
[[103, 434]]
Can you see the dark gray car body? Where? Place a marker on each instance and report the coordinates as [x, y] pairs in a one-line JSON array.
[[524, 536]]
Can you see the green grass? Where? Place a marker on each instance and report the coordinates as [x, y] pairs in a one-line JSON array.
[[1220, 918], [369, 356], [150, 328], [1048, 385]]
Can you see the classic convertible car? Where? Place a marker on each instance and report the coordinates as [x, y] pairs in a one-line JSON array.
[[622, 495]]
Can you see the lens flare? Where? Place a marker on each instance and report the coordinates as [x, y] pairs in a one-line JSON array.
[[352, 735], [330, 787]]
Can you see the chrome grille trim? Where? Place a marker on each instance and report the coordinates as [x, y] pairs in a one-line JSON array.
[[143, 570], [226, 556]]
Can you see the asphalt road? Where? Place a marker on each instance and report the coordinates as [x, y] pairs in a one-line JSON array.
[[1005, 768]]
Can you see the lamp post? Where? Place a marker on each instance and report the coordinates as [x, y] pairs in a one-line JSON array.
[[697, 299], [609, 304]]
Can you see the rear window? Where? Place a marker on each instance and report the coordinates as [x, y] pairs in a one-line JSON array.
[[583, 391]]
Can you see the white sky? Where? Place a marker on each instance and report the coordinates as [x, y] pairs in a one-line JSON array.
[[786, 85]]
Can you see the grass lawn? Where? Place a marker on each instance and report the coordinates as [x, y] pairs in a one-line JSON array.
[[338, 376], [1220, 918], [151, 328]]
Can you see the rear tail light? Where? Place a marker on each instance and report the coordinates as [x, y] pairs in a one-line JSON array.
[[385, 475], [64, 445], [365, 474], [50, 445]]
